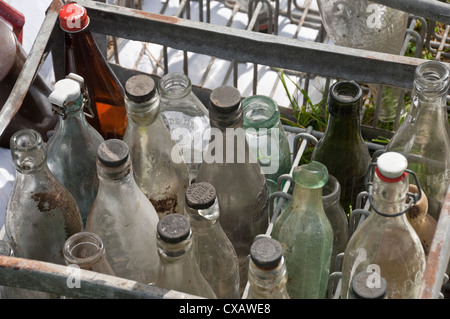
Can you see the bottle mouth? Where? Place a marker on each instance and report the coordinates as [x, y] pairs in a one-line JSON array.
[[313, 175], [83, 248], [260, 112], [432, 76], [345, 98], [174, 85]]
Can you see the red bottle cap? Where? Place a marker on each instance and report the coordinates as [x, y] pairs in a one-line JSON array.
[[73, 17]]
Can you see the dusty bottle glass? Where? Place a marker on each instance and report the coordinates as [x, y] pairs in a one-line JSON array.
[[342, 149], [179, 269], [83, 57], [423, 136], [41, 213], [368, 285], [336, 215], [229, 165], [385, 241], [86, 251], [8, 292], [266, 137], [123, 216], [159, 169], [186, 117], [213, 250], [267, 274], [72, 149], [423, 223], [306, 234]]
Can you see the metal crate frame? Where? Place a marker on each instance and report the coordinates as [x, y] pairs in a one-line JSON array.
[[226, 43]]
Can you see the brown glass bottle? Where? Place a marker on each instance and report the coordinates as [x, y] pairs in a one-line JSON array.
[[83, 57]]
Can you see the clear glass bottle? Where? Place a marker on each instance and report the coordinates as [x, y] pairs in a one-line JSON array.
[[368, 285], [186, 117], [385, 241], [86, 250], [72, 149], [229, 165], [8, 292], [266, 137], [179, 269], [159, 169], [213, 250], [422, 222], [336, 215], [306, 234], [83, 57], [423, 136], [41, 213], [267, 274], [123, 216], [342, 149]]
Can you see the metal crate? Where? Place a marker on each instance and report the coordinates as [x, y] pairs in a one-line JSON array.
[[305, 59]]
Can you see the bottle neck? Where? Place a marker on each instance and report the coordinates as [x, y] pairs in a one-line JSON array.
[[174, 252], [223, 121], [343, 126], [145, 113], [123, 173], [175, 86], [306, 197], [203, 219], [267, 281], [389, 198]]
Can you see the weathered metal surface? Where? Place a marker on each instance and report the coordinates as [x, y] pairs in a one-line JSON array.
[[76, 283], [438, 257]]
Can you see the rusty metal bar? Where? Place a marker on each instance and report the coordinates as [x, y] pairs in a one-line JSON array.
[[77, 283]]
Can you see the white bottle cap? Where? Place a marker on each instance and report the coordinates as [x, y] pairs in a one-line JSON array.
[[392, 164], [66, 91]]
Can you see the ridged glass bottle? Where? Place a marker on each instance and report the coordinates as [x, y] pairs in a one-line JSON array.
[[229, 165], [186, 117], [158, 166], [306, 234], [41, 213], [213, 250], [123, 216], [385, 242], [342, 149], [179, 269], [267, 274], [83, 57], [423, 137], [72, 149], [266, 137]]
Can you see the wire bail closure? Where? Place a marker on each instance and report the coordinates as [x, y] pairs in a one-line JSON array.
[[369, 186]]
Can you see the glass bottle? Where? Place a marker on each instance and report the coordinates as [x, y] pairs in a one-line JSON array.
[[123, 216], [266, 137], [178, 268], [229, 165], [423, 136], [41, 213], [385, 241], [213, 250], [267, 274], [9, 292], [83, 57], [306, 234], [368, 285], [336, 215], [186, 117], [86, 251], [266, 14], [423, 223], [72, 149], [159, 169], [342, 149]]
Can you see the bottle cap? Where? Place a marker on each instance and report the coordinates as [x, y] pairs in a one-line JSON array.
[[73, 17], [140, 88], [345, 98], [66, 91], [174, 228], [369, 285], [113, 153], [225, 99], [200, 195], [391, 166], [266, 252]]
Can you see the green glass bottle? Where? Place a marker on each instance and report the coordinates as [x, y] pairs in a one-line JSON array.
[[342, 149], [306, 234]]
